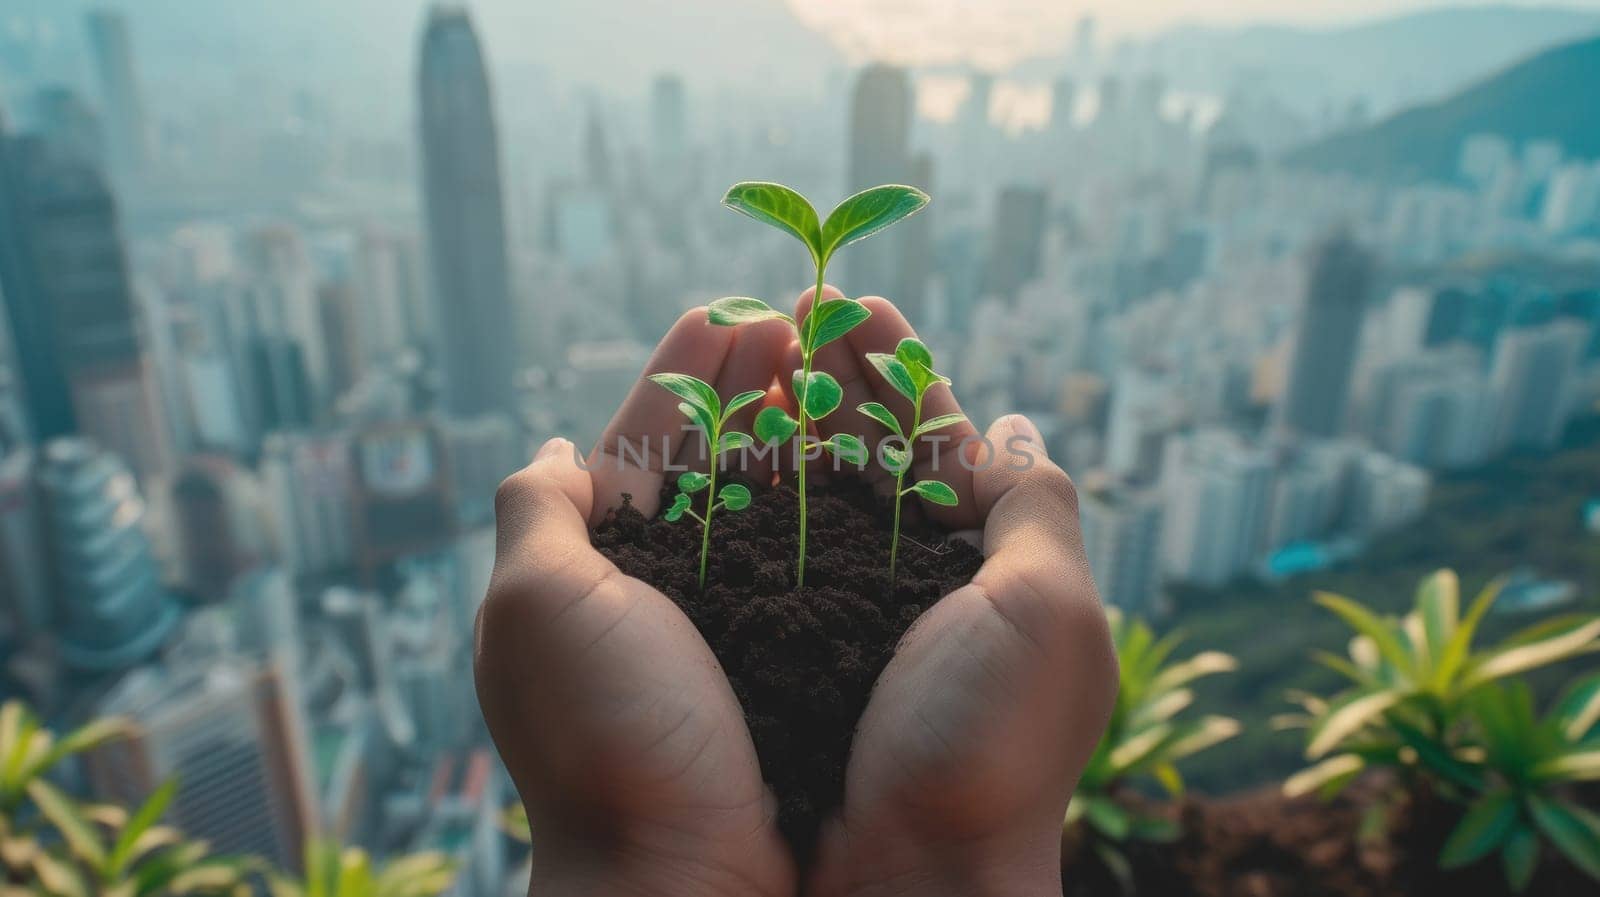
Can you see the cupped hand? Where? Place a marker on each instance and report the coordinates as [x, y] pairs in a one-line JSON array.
[[615, 721], [973, 740]]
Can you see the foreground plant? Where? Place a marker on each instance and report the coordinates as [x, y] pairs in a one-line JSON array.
[[331, 871], [705, 410], [1517, 779], [1144, 741], [109, 852], [817, 393], [910, 371], [28, 752], [1410, 676]]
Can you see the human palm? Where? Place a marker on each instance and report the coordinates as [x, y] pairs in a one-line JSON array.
[[625, 739]]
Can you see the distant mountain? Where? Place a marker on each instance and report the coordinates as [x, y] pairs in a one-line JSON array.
[[1555, 94], [1391, 62]]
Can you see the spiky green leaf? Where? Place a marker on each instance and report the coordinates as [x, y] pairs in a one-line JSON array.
[[1485, 827]]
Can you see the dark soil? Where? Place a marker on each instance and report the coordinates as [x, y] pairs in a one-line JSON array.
[[802, 661], [1374, 840]]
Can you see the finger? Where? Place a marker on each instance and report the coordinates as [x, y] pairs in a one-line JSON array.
[[542, 522], [1034, 562], [648, 429], [751, 363]]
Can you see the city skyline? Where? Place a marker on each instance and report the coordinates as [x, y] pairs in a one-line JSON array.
[[272, 355]]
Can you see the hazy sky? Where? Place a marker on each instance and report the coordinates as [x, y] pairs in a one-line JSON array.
[[994, 33]]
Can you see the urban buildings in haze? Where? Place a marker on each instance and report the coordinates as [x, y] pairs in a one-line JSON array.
[[127, 127], [465, 218], [1314, 399], [880, 153]]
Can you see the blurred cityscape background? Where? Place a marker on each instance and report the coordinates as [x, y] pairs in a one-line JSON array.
[[286, 290]]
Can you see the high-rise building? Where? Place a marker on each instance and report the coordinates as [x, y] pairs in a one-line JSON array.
[[1307, 488], [67, 123], [1433, 408], [111, 608], [1386, 493], [1217, 491], [310, 486], [466, 218], [25, 597], [1016, 239], [1122, 540], [1534, 375], [218, 515], [230, 730], [1329, 332], [916, 247], [669, 121], [72, 308], [880, 153], [119, 89]]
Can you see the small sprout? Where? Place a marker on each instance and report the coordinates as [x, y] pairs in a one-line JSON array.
[[817, 393], [705, 410], [910, 371]]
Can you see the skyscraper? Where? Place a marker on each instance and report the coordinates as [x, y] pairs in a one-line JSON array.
[[231, 732], [1017, 239], [669, 121], [110, 606], [466, 218], [880, 137], [1313, 402], [119, 88], [1122, 541], [71, 305]]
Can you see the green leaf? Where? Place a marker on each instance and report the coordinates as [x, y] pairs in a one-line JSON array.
[[1106, 817], [833, 318], [1369, 624], [736, 310], [1346, 717], [142, 820], [1486, 826], [1156, 828], [894, 371], [68, 819], [938, 423], [692, 390], [1340, 767], [1459, 647], [882, 415], [1578, 766], [1572, 829], [913, 351], [1439, 603], [1520, 857], [1578, 708], [864, 214], [822, 395], [680, 504], [936, 492], [734, 496], [782, 208], [692, 481], [774, 425], [847, 448], [741, 400], [734, 442], [895, 459], [1523, 657], [697, 416]]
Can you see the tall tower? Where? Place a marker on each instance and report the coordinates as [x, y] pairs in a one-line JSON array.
[[111, 609], [119, 88], [669, 119], [71, 306], [880, 138], [1313, 402], [465, 217]]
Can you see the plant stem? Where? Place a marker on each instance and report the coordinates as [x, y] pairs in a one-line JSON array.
[[899, 483], [800, 475], [894, 546], [705, 530]]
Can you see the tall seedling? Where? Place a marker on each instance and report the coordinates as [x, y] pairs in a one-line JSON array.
[[817, 393]]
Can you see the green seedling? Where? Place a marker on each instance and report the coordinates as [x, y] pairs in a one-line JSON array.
[[705, 410], [910, 371], [817, 393]]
